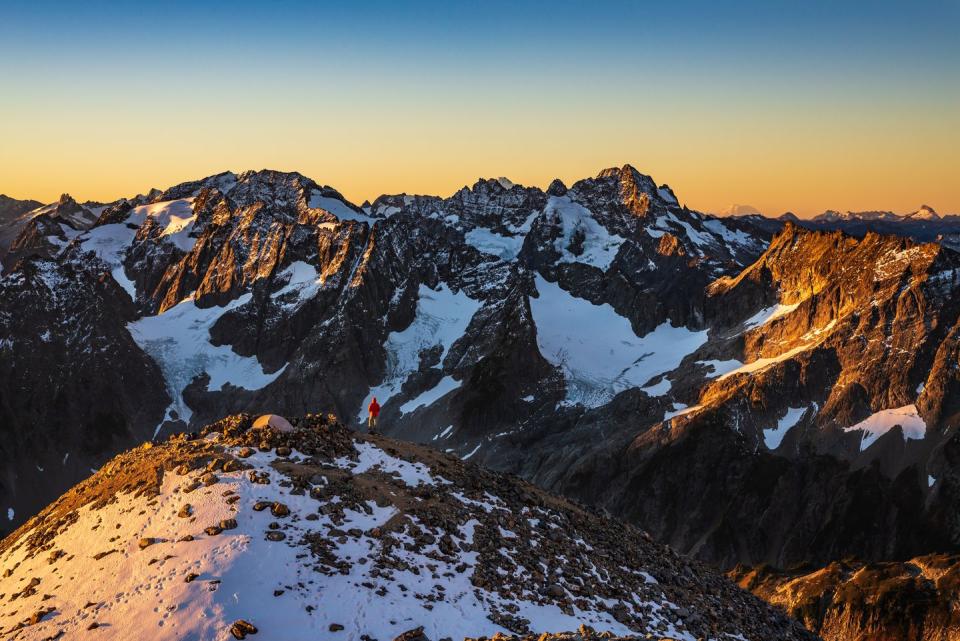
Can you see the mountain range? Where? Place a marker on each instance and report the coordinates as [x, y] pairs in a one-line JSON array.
[[777, 398], [924, 224]]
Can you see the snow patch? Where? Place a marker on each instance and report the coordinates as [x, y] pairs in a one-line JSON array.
[[719, 368], [175, 216], [371, 457], [729, 236], [444, 433], [599, 247], [179, 341], [472, 452], [769, 314], [490, 242], [773, 437], [763, 363], [666, 195], [111, 242], [442, 317], [446, 385], [302, 278], [879, 423], [597, 349], [337, 207]]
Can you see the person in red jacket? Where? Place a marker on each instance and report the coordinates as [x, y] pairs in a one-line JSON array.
[[374, 410]]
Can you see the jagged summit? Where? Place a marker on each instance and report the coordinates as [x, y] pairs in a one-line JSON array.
[[317, 531], [556, 188], [924, 213]]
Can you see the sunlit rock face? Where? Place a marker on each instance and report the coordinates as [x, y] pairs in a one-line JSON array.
[[854, 600], [14, 214]]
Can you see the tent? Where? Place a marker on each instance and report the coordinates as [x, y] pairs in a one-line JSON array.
[[274, 421]]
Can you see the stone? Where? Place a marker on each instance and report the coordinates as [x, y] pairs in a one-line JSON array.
[[241, 628], [415, 634]]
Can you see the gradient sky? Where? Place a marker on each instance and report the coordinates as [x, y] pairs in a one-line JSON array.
[[799, 106]]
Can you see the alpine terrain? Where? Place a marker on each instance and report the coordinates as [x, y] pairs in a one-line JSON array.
[[316, 532], [775, 398]]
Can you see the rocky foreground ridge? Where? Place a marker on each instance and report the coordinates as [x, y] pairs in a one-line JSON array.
[[320, 531]]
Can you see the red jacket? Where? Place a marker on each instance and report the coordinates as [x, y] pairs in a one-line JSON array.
[[374, 408]]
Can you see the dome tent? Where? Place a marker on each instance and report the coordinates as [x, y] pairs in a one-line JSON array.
[[274, 421]]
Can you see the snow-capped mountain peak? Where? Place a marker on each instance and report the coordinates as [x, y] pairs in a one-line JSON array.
[[924, 213]]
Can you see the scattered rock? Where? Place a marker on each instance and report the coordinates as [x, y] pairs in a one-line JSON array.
[[412, 635], [240, 629]]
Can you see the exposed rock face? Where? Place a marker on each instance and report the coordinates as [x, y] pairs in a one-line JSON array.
[[322, 530], [46, 230], [914, 600], [924, 224], [12, 212], [305, 283], [595, 339], [74, 387], [845, 330]]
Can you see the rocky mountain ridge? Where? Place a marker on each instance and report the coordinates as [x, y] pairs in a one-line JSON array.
[[923, 224], [593, 339], [295, 532], [12, 211], [854, 600]]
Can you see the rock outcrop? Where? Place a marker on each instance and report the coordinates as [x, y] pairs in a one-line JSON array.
[[319, 530], [890, 601]]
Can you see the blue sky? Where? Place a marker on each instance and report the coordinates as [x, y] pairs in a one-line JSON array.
[[727, 101]]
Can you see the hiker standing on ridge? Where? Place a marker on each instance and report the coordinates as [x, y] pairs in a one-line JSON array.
[[374, 410]]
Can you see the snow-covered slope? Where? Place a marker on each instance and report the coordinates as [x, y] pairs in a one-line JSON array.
[[319, 533]]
